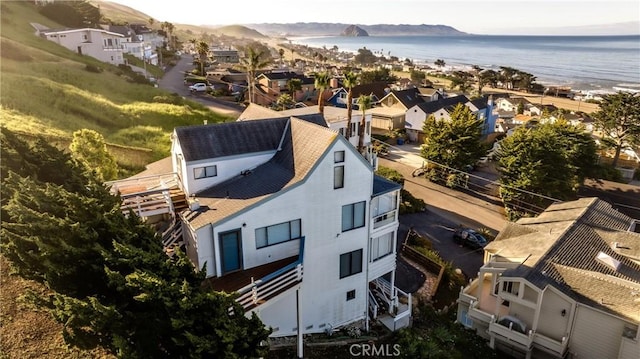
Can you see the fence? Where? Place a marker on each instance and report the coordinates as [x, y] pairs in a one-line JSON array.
[[425, 262]]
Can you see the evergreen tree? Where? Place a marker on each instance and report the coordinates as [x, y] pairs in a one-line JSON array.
[[542, 163], [89, 148], [112, 285], [619, 121], [453, 142]]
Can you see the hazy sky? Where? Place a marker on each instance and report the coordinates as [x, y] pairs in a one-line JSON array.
[[472, 16]]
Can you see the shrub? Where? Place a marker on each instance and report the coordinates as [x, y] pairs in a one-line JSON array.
[[415, 240], [410, 204], [93, 68], [608, 172], [174, 99], [390, 174], [636, 174]]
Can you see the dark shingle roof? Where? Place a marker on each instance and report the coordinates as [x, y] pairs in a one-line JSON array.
[[448, 102], [562, 251], [231, 138], [303, 144], [409, 97], [382, 185]]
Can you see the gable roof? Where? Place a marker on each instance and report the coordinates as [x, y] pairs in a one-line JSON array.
[[447, 103], [409, 97], [288, 75], [230, 138], [559, 248], [303, 145]]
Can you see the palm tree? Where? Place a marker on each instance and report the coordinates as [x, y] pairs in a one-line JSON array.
[[253, 61], [321, 84], [281, 53], [202, 48], [293, 86], [172, 39], [350, 81], [151, 21], [364, 102]]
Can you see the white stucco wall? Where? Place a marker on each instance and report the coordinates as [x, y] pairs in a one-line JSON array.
[[595, 334]]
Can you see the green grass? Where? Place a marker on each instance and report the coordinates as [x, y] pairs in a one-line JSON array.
[[46, 89]]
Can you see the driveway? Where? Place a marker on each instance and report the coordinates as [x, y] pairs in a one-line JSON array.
[[173, 81]]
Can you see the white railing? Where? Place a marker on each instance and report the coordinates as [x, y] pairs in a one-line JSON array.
[[172, 235], [401, 312], [149, 182], [384, 219], [511, 335], [265, 288], [373, 305], [476, 313], [549, 344], [148, 203]]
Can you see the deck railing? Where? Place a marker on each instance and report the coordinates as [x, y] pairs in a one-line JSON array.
[[269, 286], [400, 303]]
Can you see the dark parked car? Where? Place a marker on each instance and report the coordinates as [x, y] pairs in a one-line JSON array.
[[469, 238]]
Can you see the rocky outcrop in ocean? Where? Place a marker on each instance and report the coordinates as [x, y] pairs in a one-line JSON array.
[[354, 30]]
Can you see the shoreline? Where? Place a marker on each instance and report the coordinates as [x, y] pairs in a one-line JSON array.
[[567, 76]]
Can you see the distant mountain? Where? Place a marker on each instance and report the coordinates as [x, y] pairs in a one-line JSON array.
[[353, 30], [335, 29], [237, 31]]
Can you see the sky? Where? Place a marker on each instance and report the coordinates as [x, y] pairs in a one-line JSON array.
[[517, 17]]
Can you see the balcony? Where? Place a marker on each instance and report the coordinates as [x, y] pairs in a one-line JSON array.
[[510, 334], [384, 219], [550, 345]]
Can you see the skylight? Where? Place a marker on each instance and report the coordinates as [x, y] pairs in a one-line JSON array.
[[608, 261]]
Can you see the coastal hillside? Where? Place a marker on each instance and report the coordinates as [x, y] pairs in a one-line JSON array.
[[121, 13], [353, 30], [238, 31], [335, 29], [49, 90]]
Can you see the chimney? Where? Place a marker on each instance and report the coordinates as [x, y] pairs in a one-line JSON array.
[[333, 83]]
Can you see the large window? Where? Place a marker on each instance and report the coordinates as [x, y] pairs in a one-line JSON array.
[[338, 157], [278, 233], [204, 172], [381, 246], [338, 177], [383, 204], [350, 263], [353, 216]]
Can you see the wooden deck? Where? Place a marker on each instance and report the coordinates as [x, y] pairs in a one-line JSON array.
[[233, 281]]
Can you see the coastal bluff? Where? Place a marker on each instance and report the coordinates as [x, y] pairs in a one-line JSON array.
[[354, 30], [334, 29]]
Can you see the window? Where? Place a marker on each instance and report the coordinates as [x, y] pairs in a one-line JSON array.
[[278, 233], [341, 131], [338, 177], [338, 156], [384, 204], [204, 172], [351, 294], [84, 37], [353, 216], [350, 263], [510, 287], [465, 319], [381, 246], [368, 128], [354, 129], [109, 42]]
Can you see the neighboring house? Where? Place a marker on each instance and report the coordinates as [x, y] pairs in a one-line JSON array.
[[134, 44], [441, 110], [272, 84], [565, 284], [225, 56], [376, 90], [103, 45], [148, 36], [287, 213], [395, 106]]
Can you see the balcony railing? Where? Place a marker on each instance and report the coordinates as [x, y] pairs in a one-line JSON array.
[[478, 314], [384, 219], [550, 345], [508, 334], [269, 286]]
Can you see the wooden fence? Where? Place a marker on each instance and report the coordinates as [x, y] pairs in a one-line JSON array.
[[425, 262]]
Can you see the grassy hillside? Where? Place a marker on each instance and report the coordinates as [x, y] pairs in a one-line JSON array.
[[238, 31], [47, 89], [121, 13]]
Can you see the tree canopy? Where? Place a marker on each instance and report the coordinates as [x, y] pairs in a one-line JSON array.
[[111, 283], [453, 142], [541, 163], [365, 57], [88, 147], [378, 75], [618, 120]]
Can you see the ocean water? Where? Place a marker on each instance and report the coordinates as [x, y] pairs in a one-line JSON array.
[[582, 62]]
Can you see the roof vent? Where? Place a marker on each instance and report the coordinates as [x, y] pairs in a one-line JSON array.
[[608, 261]]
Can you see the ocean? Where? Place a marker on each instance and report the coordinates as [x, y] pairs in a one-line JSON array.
[[585, 63]]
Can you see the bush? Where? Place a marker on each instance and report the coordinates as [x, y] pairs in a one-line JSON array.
[[636, 174], [411, 204], [608, 172], [93, 68], [415, 240], [390, 174], [174, 99]]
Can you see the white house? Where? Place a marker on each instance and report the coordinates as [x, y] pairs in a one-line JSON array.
[[286, 212], [565, 284], [104, 45], [441, 109]]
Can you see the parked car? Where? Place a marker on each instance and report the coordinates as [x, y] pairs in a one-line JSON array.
[[513, 323], [469, 238], [199, 87]]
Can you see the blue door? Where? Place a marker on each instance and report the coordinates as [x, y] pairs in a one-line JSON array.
[[231, 251]]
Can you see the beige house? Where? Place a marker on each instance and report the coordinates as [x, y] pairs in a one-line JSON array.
[[565, 284], [103, 45]]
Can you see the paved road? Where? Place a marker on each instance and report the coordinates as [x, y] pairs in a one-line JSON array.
[[173, 81], [446, 210]]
